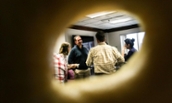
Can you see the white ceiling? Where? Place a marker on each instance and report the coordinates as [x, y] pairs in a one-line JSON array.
[[102, 22]]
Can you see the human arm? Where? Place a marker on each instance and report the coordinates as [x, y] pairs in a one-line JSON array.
[[80, 58], [118, 56], [73, 66], [123, 51], [71, 60], [71, 57], [89, 60]]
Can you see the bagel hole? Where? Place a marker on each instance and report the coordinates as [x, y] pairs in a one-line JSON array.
[[116, 33]]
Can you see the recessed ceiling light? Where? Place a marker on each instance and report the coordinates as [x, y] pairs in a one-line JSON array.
[[119, 20], [99, 14]]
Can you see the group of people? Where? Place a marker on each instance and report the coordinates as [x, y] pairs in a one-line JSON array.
[[79, 62]]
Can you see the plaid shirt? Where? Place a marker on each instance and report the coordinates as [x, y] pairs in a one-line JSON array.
[[60, 64]]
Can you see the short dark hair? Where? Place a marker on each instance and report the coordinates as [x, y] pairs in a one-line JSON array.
[[130, 41], [100, 35]]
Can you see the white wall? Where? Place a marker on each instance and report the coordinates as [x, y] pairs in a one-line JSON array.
[[59, 41], [107, 37], [114, 37]]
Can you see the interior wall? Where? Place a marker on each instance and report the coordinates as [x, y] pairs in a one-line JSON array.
[[59, 41], [114, 37], [107, 37]]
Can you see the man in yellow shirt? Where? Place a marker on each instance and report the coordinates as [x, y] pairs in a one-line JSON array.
[[103, 56]]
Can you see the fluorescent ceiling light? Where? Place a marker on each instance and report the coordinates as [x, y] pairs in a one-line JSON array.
[[99, 14], [119, 20]]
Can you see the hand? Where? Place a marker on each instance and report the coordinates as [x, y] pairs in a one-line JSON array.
[[72, 66]]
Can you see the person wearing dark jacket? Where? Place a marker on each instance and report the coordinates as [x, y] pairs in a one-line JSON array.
[[129, 44], [78, 56]]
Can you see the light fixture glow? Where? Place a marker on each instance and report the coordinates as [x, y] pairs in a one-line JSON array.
[[119, 20], [99, 14]]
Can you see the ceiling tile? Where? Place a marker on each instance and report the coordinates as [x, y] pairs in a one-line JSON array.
[[102, 22]]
